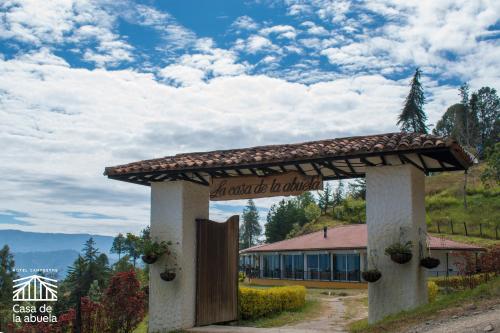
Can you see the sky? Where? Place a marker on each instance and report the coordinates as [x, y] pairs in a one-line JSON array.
[[87, 84]]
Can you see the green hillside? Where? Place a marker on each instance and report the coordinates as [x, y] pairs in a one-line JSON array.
[[444, 206]]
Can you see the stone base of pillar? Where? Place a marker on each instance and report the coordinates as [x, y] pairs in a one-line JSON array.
[[174, 208], [395, 211]]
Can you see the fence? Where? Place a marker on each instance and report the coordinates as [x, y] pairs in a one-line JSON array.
[[482, 230]]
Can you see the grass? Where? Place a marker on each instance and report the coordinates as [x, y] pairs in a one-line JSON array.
[[449, 302], [484, 242], [309, 311], [143, 326]]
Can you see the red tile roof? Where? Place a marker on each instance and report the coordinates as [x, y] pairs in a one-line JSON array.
[[358, 146], [343, 238]]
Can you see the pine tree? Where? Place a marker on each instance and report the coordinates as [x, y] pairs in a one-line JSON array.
[[7, 276], [413, 117], [250, 229], [325, 198]]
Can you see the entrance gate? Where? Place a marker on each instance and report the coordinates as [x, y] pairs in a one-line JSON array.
[[217, 271]]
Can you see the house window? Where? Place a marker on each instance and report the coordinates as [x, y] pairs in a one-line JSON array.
[[294, 266], [346, 267], [272, 266], [318, 266]]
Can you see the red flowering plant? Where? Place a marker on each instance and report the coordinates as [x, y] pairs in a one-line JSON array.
[[124, 302]]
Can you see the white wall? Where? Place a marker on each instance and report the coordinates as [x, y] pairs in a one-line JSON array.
[[395, 204], [174, 208]]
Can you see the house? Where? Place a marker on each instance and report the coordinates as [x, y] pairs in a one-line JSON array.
[[336, 257]]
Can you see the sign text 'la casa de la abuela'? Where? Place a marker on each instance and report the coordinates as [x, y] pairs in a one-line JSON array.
[[248, 187]]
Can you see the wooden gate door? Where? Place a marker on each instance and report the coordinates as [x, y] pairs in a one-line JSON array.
[[217, 271]]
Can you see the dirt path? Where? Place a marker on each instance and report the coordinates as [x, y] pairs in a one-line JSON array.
[[473, 321], [337, 313]]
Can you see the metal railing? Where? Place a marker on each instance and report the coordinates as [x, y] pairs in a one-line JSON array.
[[299, 274]]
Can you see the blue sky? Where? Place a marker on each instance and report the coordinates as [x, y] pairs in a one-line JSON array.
[[86, 84]]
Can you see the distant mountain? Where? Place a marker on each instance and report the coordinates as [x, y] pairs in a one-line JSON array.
[[22, 241], [59, 260], [33, 250]]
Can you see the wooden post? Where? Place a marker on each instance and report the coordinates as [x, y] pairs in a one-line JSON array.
[[451, 226], [480, 230], [465, 228], [439, 229]]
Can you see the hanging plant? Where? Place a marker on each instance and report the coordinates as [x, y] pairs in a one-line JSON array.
[[372, 275], [153, 250], [399, 252], [168, 274], [429, 262]]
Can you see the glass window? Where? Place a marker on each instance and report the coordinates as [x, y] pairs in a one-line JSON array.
[[352, 267], [346, 267], [312, 266], [272, 266], [324, 267]]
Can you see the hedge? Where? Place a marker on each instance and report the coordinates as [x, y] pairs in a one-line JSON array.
[[433, 290], [462, 282], [255, 303]]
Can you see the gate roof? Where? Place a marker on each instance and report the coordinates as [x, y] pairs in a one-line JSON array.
[[340, 158]]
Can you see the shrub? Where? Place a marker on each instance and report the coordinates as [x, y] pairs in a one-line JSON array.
[[255, 303], [462, 282], [124, 302], [241, 277], [433, 289]]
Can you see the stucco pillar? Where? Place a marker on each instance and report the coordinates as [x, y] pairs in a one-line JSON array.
[[395, 211], [174, 208]]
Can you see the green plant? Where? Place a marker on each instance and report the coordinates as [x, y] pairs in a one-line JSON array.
[[153, 248], [255, 303], [241, 277], [399, 248], [432, 289]]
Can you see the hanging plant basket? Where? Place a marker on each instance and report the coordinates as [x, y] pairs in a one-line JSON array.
[[429, 262], [371, 275], [149, 258], [399, 252], [401, 258], [168, 275]]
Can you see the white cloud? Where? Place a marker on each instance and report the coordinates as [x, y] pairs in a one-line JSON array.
[[73, 122], [281, 31], [245, 23], [52, 23]]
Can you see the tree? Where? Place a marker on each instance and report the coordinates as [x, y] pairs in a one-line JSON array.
[[305, 199], [325, 198], [124, 302], [413, 117], [447, 125], [118, 246], [357, 189], [133, 247], [312, 212], [491, 174], [123, 265], [281, 218], [488, 114], [338, 196], [250, 229], [7, 276]]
